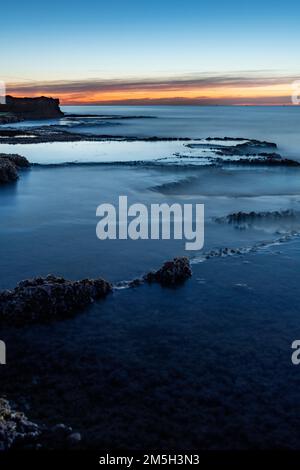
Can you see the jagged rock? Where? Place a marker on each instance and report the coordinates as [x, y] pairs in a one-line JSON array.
[[9, 165], [43, 299], [171, 273], [18, 432]]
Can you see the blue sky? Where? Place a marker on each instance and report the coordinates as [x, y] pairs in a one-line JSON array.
[[119, 39]]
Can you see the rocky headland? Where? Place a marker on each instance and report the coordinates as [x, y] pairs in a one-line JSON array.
[[19, 109]]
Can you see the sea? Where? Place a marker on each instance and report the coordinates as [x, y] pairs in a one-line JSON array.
[[205, 365]]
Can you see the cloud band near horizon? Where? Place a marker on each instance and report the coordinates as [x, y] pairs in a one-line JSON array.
[[252, 88]]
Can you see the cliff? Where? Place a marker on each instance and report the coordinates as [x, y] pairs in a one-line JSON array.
[[31, 108]]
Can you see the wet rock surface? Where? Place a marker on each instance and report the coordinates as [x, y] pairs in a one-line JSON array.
[[171, 273], [18, 432], [238, 151], [53, 133], [210, 151], [204, 152], [45, 299], [270, 160], [238, 218], [9, 166], [225, 252]]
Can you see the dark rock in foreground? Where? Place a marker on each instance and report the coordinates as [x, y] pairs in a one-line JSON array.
[[18, 432], [44, 299], [171, 273], [9, 165]]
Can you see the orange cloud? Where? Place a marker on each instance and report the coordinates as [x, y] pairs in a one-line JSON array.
[[193, 89]]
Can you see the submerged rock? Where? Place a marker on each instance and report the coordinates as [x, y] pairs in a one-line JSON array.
[[18, 432], [9, 165], [171, 273], [43, 299]]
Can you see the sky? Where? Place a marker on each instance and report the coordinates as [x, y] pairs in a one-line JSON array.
[[158, 52]]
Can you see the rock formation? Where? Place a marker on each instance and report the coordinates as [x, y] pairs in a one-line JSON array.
[[18, 432], [237, 218], [44, 299], [31, 108], [9, 166], [171, 273]]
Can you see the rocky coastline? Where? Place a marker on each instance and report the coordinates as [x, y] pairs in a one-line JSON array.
[[19, 109], [44, 299], [52, 298], [47, 134]]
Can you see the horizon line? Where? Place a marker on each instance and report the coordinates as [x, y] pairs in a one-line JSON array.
[[215, 89]]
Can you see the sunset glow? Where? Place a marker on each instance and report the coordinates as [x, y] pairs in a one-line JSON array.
[[161, 53], [160, 91]]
